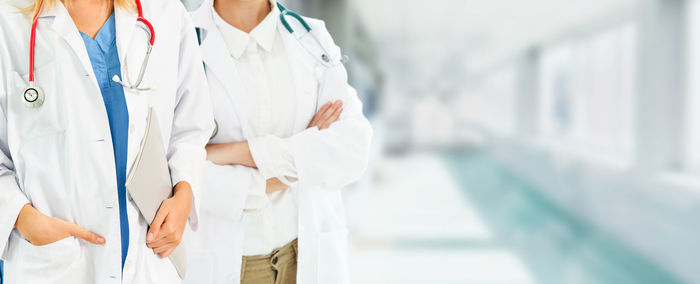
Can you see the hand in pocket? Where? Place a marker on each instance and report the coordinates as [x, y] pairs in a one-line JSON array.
[[41, 230]]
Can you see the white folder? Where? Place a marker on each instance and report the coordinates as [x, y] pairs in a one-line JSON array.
[[149, 183]]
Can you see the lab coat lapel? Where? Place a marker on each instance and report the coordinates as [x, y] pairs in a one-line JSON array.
[[125, 24], [220, 64], [303, 72], [63, 26]]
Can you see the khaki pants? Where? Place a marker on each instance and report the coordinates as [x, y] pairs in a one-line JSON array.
[[279, 267]]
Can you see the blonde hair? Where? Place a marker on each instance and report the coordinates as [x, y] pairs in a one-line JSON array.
[[126, 4]]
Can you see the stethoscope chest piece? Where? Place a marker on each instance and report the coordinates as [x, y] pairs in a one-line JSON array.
[[33, 97]]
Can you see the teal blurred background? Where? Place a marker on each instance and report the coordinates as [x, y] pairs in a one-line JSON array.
[[538, 141]]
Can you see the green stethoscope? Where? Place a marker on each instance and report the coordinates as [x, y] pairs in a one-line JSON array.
[[324, 57]]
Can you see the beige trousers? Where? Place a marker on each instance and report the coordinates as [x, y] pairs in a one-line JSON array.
[[279, 267]]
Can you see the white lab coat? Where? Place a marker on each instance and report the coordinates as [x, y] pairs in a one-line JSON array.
[[59, 157], [325, 160]]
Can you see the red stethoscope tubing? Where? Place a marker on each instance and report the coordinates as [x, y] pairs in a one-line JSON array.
[[32, 45], [145, 22], [32, 41]]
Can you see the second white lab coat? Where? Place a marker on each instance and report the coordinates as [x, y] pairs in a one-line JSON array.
[[325, 160], [59, 157]]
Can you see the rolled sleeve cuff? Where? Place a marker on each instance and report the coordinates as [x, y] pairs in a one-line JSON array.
[[257, 194], [177, 176], [10, 206], [273, 157]]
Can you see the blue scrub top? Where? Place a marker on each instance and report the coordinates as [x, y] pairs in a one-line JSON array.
[[105, 62]]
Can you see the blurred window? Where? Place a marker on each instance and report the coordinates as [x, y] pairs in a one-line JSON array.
[[491, 104], [499, 90], [587, 92]]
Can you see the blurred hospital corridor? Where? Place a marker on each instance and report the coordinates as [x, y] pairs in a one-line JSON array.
[[460, 217], [524, 141]]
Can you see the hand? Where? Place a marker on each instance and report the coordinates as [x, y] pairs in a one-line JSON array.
[[274, 184], [327, 115], [169, 224], [40, 229]]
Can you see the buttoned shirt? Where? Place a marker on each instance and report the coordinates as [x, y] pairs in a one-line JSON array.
[[265, 73]]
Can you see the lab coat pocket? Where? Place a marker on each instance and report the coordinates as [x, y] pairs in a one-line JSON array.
[[58, 262], [30, 122], [333, 257]]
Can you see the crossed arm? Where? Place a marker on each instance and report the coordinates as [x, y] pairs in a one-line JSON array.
[[238, 153]]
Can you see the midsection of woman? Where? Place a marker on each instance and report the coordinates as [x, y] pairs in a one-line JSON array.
[[269, 90], [291, 134], [66, 217]]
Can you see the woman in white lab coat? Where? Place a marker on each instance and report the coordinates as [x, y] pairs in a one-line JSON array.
[[64, 213], [279, 158]]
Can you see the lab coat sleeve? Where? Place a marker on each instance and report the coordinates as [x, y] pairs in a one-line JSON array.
[[12, 199], [274, 159], [231, 190], [257, 192], [336, 156], [225, 189], [193, 121]]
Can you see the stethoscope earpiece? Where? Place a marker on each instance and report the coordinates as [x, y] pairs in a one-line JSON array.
[[33, 97]]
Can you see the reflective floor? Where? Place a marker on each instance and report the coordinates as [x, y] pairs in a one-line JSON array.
[[492, 227]]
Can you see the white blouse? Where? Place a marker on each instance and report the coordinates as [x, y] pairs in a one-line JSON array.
[[271, 219]]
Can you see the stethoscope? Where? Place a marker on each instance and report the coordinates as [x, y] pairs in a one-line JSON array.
[[325, 56], [34, 95]]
